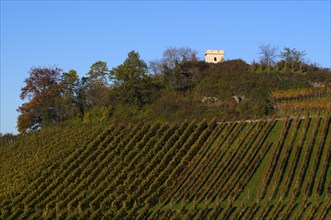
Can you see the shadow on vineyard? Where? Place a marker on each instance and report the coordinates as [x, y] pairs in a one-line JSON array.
[[266, 169]]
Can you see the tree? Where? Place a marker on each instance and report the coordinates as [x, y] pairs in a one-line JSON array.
[[185, 75], [132, 68], [172, 57], [268, 55], [68, 105], [43, 90], [133, 85], [171, 70], [292, 57], [70, 79], [155, 67], [95, 86], [299, 57], [98, 72]]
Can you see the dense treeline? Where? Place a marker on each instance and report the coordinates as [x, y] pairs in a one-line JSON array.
[[181, 87]]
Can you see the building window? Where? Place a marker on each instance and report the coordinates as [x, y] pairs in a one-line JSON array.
[[215, 59]]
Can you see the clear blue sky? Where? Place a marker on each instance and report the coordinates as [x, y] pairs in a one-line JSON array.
[[75, 34]]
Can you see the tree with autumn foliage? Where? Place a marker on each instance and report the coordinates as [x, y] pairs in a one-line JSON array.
[[43, 89]]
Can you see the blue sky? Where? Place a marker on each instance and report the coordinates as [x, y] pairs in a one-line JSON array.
[[75, 34]]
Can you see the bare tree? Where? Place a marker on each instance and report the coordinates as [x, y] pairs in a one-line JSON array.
[[172, 57], [155, 66], [268, 55]]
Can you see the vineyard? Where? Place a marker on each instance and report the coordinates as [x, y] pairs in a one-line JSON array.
[[307, 99], [267, 169]]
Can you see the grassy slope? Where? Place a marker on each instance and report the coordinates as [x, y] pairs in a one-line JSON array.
[[152, 170]]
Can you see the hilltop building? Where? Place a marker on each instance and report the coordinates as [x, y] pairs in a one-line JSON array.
[[214, 56]]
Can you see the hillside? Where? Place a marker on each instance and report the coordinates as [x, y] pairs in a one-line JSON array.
[[177, 88], [275, 168]]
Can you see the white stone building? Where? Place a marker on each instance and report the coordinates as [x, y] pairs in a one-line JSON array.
[[214, 56]]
